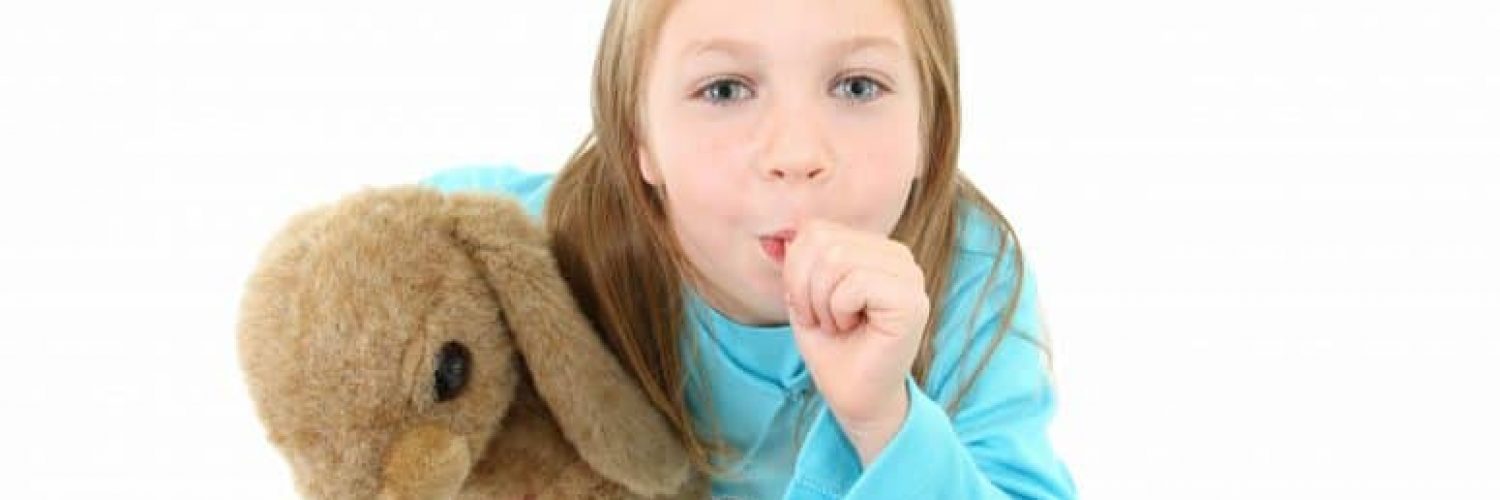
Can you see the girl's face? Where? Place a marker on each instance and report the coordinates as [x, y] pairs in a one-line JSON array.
[[757, 115]]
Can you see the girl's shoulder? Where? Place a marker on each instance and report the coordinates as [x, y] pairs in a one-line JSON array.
[[987, 283], [978, 233], [528, 187], [987, 251]]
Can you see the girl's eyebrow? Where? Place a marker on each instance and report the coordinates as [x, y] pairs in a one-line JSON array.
[[858, 43], [750, 50], [725, 45]]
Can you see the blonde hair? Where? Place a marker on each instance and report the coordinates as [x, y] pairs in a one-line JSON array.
[[617, 251]]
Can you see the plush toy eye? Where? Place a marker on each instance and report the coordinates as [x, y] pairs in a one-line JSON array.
[[451, 372]]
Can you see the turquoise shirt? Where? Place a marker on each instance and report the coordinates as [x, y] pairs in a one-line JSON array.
[[995, 446]]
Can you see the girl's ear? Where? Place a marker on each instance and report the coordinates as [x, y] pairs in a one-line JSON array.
[[649, 170]]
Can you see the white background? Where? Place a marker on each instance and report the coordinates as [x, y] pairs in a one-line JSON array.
[[1265, 231]]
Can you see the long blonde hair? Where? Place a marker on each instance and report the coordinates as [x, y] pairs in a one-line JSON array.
[[617, 251]]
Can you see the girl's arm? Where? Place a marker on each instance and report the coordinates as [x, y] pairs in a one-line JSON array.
[[995, 446]]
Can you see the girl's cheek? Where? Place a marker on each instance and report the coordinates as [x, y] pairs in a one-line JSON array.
[[887, 157], [726, 151], [707, 138], [704, 180]]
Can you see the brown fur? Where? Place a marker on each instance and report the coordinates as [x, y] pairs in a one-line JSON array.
[[339, 331]]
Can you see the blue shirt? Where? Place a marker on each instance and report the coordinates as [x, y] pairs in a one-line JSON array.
[[995, 446]]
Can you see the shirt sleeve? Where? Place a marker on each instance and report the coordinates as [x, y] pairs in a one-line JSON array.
[[994, 447], [527, 187]]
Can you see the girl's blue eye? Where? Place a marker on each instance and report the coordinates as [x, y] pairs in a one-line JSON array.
[[859, 89], [725, 91]]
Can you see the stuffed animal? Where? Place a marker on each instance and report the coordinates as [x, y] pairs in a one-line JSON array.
[[404, 343]]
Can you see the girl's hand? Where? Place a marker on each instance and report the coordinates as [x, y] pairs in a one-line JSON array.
[[858, 305]]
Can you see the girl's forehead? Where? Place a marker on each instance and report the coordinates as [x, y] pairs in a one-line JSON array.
[[744, 29], [743, 49]]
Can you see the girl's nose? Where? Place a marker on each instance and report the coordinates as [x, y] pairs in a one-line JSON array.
[[797, 171], [796, 147]]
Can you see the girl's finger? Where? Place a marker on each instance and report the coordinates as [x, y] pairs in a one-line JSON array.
[[848, 299], [795, 271], [878, 294], [899, 262], [832, 263]]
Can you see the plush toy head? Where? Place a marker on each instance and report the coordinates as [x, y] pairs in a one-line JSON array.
[[403, 343]]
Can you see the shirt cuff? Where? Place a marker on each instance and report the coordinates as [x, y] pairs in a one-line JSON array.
[[922, 451]]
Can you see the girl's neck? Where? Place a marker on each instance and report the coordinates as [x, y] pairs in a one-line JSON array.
[[728, 307]]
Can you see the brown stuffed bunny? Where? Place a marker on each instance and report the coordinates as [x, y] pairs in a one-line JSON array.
[[407, 344]]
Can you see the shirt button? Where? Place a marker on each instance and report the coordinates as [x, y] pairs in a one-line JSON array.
[[802, 393]]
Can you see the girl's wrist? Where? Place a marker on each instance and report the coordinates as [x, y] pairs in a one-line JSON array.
[[870, 435]]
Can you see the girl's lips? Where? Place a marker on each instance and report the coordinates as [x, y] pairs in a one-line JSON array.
[[774, 248], [785, 234], [775, 244]]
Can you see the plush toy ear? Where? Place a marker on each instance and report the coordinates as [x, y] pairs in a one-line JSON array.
[[598, 406]]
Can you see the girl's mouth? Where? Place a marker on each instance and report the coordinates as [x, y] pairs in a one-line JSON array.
[[775, 244], [775, 248]]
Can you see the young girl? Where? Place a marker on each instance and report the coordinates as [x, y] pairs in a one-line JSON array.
[[768, 227]]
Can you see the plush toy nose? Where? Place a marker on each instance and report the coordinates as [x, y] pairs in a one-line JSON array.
[[421, 462], [424, 462]]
